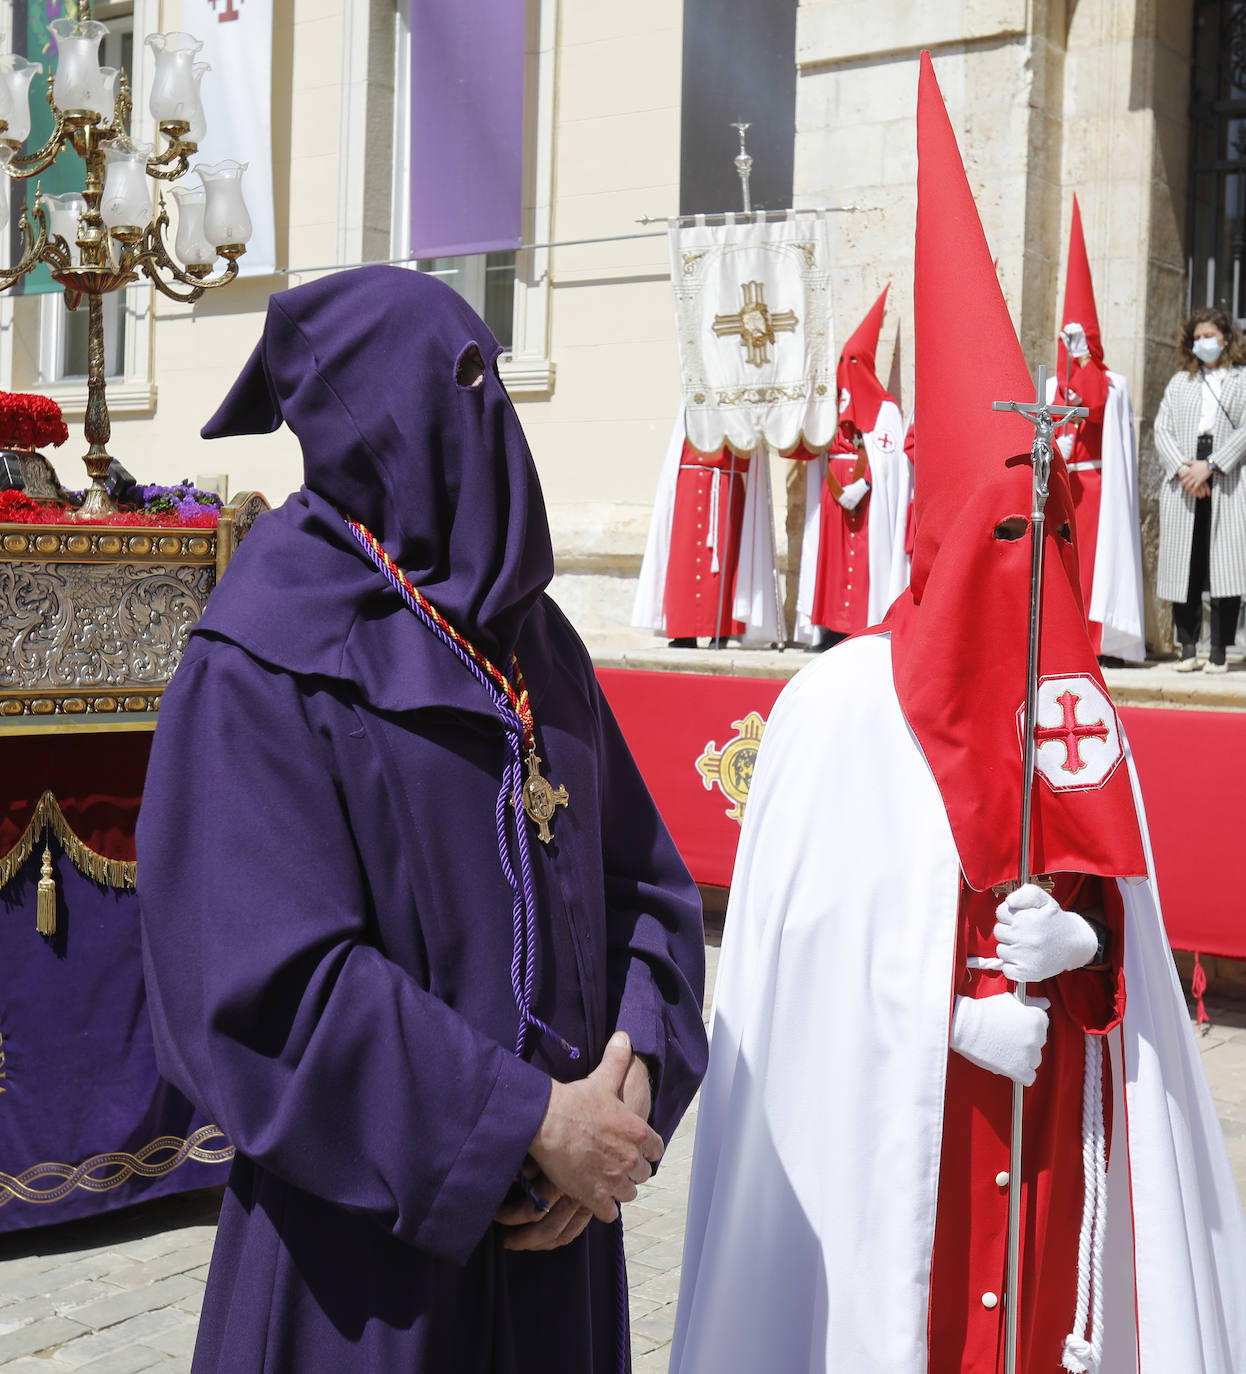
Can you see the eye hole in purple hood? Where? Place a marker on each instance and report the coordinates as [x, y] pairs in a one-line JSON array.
[[367, 367]]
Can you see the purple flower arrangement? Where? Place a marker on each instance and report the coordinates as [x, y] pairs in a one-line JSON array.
[[183, 500]]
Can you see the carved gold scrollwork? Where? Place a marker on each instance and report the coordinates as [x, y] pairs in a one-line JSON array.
[[98, 625]]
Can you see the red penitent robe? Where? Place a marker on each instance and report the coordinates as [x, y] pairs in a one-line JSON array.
[[1085, 463], [971, 1231], [910, 525], [705, 544], [841, 598]]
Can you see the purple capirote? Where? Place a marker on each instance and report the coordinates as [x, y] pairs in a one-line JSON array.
[[328, 932]]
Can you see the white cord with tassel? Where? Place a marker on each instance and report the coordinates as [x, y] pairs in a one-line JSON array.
[[1083, 1350]]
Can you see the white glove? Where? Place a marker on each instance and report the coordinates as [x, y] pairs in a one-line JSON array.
[[1000, 1035], [1065, 444], [1037, 939], [851, 496], [1074, 337]]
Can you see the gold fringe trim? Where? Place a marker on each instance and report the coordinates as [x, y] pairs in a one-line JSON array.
[[89, 862]]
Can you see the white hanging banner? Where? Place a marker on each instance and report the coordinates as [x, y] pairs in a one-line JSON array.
[[237, 105], [753, 313]]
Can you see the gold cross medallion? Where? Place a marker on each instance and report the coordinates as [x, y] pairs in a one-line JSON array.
[[755, 324], [540, 799]]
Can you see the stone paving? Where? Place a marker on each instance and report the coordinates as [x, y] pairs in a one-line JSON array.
[[121, 1294]]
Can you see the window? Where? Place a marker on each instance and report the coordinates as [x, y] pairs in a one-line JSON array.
[[1217, 214], [63, 333], [49, 342], [486, 281], [510, 291]]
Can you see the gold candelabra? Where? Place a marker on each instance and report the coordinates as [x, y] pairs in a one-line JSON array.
[[108, 258]]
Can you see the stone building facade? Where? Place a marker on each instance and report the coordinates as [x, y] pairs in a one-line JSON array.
[[1049, 97]]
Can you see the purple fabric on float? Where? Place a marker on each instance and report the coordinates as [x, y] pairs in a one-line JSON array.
[[78, 1078], [340, 992], [467, 118]]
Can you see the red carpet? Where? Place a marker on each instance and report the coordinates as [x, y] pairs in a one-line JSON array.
[[1192, 765]]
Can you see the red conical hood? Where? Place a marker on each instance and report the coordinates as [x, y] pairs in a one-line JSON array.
[[956, 294], [1088, 381], [959, 632], [1079, 290], [860, 392]]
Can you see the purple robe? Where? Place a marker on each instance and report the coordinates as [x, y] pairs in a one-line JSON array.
[[327, 927]]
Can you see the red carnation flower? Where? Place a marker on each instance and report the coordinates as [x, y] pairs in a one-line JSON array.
[[30, 421]]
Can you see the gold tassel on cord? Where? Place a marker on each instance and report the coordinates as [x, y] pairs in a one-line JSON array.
[[45, 911]]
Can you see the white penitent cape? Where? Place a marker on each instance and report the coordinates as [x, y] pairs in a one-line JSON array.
[[890, 488], [649, 607], [756, 601], [811, 1216], [1116, 587]]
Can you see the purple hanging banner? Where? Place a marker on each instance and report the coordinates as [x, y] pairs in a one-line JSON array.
[[467, 68]]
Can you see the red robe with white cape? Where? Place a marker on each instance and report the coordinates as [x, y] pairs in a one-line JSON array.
[[812, 1210], [1115, 601], [891, 484], [753, 594]]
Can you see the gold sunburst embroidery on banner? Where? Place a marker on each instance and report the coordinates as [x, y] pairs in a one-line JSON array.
[[102, 1173], [755, 324], [731, 767]]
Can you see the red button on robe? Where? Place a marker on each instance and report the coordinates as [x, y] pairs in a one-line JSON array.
[[971, 1231], [705, 544]]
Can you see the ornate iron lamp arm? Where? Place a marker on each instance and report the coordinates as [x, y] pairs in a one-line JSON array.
[[38, 248], [174, 162], [22, 166], [153, 257]]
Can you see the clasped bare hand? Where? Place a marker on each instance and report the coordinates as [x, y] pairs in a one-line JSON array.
[[1194, 478], [592, 1147]]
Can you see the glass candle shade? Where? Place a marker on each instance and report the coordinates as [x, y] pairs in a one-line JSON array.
[[77, 84], [108, 91], [64, 212], [16, 75], [191, 245], [127, 195], [198, 124], [225, 218], [174, 94]]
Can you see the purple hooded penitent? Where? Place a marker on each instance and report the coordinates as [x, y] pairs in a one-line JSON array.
[[328, 931]]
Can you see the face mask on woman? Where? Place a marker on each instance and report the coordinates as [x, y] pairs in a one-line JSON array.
[[1207, 350]]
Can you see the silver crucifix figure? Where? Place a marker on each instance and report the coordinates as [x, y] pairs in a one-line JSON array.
[[1043, 416]]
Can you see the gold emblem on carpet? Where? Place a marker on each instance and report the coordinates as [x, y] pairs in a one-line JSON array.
[[731, 767]]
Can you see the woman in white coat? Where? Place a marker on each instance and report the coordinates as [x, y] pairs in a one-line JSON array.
[[1200, 436]]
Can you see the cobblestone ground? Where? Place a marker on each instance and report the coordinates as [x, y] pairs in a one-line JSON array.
[[121, 1294]]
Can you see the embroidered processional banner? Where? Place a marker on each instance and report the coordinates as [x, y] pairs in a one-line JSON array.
[[756, 350]]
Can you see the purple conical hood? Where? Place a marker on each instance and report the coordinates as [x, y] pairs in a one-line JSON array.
[[362, 366]]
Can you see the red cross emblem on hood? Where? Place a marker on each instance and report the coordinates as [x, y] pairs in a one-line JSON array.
[[1077, 734]]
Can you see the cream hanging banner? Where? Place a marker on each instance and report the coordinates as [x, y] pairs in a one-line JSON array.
[[756, 350]]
